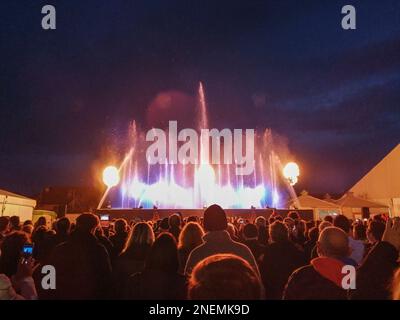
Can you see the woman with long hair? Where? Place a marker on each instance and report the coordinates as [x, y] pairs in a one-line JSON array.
[[160, 279], [133, 256], [190, 237]]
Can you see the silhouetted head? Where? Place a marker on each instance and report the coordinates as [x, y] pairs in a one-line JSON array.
[[63, 226], [313, 234], [250, 231], [4, 224], [164, 224], [379, 218], [120, 226], [375, 231], [141, 234], [359, 231], [87, 222], [294, 215], [232, 230], [260, 222], [39, 233], [289, 222], [224, 277], [28, 222], [163, 255], [41, 221], [323, 225], [191, 236], [278, 232], [301, 227], [333, 242], [28, 229], [175, 221], [15, 222], [215, 218], [342, 222], [192, 219], [310, 224]]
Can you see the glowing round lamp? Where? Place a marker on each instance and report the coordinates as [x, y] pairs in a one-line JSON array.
[[291, 172], [111, 176]]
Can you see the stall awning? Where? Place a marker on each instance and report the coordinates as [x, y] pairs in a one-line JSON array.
[[349, 200]]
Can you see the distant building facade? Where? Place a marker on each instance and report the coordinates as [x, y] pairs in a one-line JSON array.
[[64, 200]]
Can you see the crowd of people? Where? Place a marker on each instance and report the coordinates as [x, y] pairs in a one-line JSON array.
[[208, 257]]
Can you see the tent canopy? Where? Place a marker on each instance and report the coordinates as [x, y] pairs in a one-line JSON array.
[[349, 200], [382, 181], [9, 198], [307, 201]]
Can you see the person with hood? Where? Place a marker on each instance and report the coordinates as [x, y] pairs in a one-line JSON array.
[[217, 240], [322, 278]]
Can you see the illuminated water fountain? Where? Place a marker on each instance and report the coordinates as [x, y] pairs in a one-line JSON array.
[[137, 183]]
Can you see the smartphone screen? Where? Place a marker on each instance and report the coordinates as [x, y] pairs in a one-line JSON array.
[[105, 220], [27, 250]]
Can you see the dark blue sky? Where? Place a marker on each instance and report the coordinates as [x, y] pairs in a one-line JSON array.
[[287, 65]]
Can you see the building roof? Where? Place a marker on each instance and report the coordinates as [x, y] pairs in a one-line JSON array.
[[11, 194], [7, 197]]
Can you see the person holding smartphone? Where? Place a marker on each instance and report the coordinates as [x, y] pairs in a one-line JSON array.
[[21, 285]]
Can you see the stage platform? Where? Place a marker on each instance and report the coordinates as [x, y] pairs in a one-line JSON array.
[[149, 214]]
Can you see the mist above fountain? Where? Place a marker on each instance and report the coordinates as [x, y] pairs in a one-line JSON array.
[[185, 185]]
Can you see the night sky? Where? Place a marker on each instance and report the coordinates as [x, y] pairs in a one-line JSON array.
[[68, 95]]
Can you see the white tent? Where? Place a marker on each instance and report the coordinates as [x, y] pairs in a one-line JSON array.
[[382, 183], [352, 205], [12, 204], [320, 207]]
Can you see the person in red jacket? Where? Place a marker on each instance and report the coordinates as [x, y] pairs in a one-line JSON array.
[[322, 278]]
